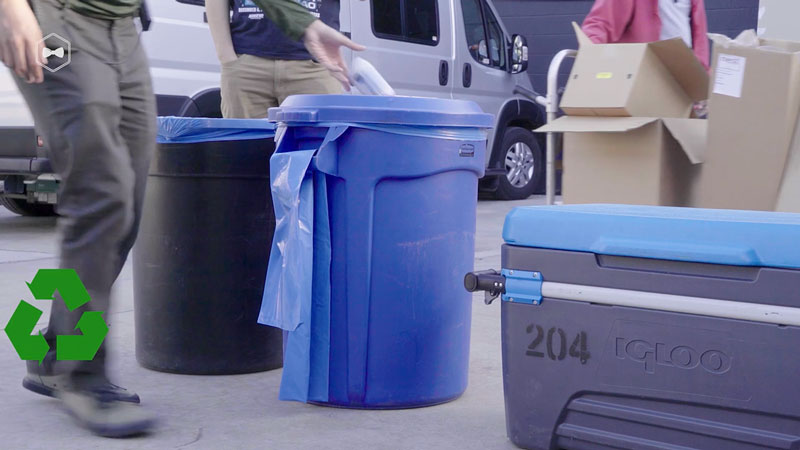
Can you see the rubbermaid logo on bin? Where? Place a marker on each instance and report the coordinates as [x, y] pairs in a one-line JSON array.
[[466, 150], [651, 356]]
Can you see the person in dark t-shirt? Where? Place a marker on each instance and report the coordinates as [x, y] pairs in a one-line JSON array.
[[261, 66]]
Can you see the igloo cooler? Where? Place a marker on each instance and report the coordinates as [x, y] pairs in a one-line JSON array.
[[649, 328]]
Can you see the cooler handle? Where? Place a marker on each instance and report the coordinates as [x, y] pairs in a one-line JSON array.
[[678, 251]]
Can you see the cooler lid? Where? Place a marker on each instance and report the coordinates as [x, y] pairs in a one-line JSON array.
[[395, 110], [730, 237], [201, 129]]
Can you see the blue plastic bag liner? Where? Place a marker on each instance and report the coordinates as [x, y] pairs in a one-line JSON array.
[[287, 303], [293, 203], [191, 130], [730, 237], [297, 287]]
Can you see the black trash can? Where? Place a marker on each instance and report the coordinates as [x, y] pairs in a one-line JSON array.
[[200, 260]]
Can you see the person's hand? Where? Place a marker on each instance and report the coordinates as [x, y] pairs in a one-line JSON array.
[[323, 42], [20, 40], [700, 109]]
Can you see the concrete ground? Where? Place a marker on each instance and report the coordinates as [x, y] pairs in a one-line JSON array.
[[242, 411]]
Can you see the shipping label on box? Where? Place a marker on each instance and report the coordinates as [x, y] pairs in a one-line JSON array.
[[729, 76]]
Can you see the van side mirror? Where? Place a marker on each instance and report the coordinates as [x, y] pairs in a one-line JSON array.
[[518, 54]]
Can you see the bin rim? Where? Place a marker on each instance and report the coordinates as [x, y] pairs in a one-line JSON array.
[[387, 110], [174, 129]]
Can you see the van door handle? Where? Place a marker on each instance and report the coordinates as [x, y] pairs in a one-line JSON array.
[[467, 77], [444, 75]]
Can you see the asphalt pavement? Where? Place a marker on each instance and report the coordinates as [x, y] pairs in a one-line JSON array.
[[242, 411]]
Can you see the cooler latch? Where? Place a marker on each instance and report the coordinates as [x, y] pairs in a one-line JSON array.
[[517, 286], [490, 281], [522, 286]]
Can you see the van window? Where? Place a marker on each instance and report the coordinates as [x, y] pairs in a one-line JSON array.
[[476, 33], [406, 20], [489, 51], [497, 47]]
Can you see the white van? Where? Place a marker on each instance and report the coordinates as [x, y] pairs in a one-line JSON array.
[[435, 48]]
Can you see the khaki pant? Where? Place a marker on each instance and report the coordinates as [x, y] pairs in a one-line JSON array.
[[251, 85]]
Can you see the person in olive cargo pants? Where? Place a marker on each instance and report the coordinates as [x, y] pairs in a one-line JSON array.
[[97, 116]]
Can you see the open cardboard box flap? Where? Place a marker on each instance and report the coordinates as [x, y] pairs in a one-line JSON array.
[[583, 39], [684, 66], [690, 134], [749, 38], [589, 124], [679, 59], [654, 79]]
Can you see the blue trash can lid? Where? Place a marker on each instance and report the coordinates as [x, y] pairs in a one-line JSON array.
[[394, 110], [201, 129], [743, 238]]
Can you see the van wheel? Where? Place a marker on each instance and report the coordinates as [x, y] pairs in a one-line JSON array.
[[23, 208], [523, 162]]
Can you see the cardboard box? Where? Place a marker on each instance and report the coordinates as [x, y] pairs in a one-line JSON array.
[[658, 79], [634, 160], [789, 191], [753, 114]]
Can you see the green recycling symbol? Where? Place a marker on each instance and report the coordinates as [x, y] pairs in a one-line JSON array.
[[34, 347]]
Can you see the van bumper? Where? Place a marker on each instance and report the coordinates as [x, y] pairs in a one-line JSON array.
[[24, 166]]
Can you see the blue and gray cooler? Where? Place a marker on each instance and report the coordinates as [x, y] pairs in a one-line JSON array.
[[649, 328]]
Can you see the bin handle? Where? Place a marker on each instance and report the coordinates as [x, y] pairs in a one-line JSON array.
[[326, 159]]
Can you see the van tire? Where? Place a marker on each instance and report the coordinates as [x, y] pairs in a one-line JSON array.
[[520, 143], [23, 208]]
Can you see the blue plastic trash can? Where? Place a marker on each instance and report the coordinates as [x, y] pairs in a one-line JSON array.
[[401, 184]]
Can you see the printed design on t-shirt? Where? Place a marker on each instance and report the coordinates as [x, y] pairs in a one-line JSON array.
[[248, 8]]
